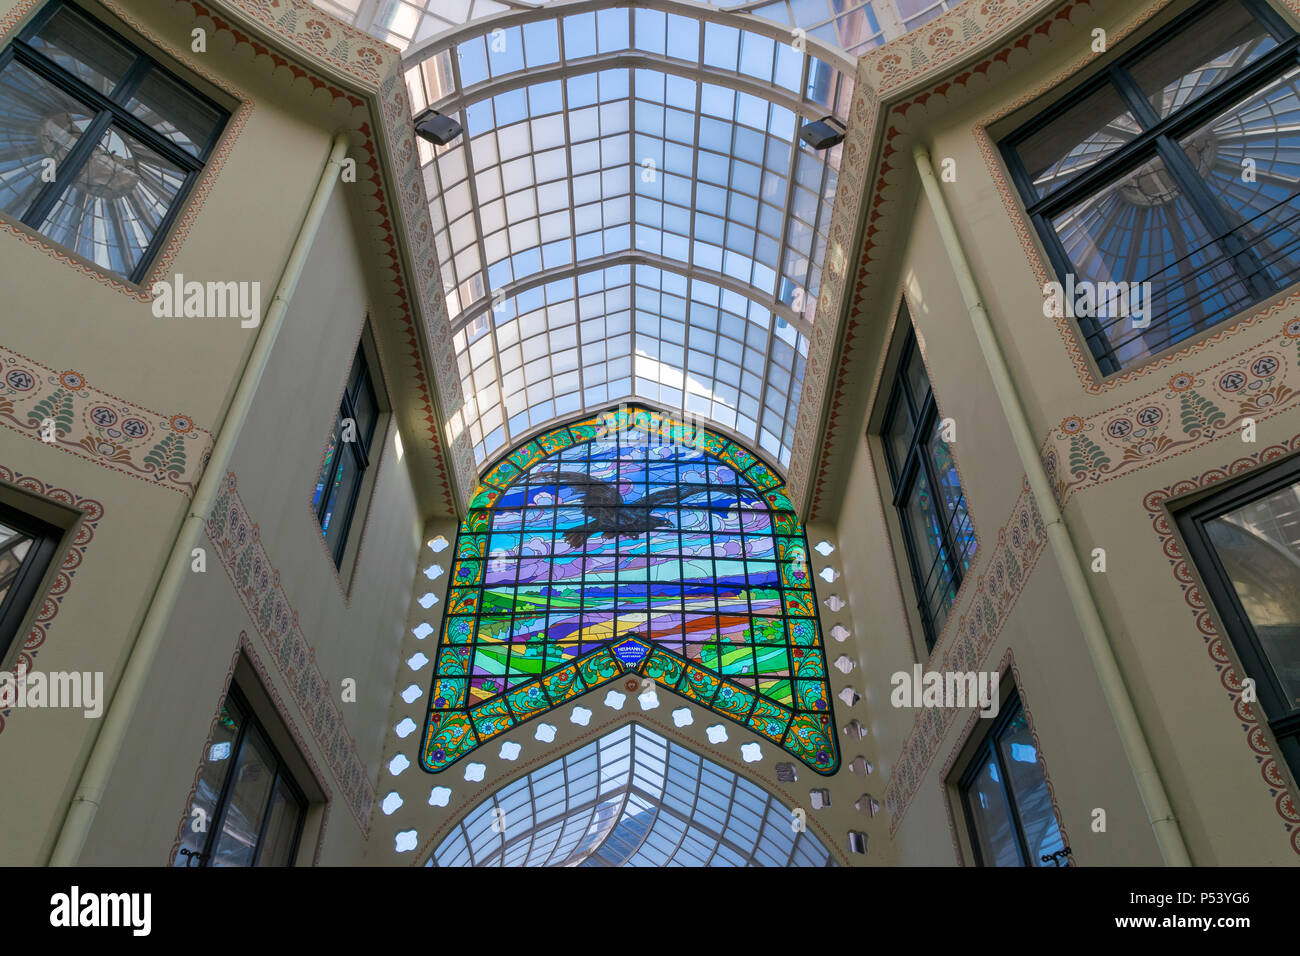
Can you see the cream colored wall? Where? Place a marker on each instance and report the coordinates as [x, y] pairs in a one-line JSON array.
[[276, 463], [66, 320], [1079, 745], [1225, 809]]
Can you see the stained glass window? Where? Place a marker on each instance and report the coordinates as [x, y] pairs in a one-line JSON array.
[[1169, 187], [631, 798], [98, 144], [631, 543]]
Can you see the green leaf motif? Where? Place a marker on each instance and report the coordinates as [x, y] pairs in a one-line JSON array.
[[1086, 455], [57, 406], [1198, 413], [168, 456]]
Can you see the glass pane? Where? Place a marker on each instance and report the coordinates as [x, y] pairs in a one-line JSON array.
[[898, 434], [1139, 229], [174, 111], [326, 470], [1076, 140], [355, 373], [1029, 785], [212, 777], [367, 413], [1207, 53], [281, 828], [37, 122], [918, 381], [112, 210], [1265, 207], [994, 828], [1259, 547], [954, 499], [341, 498], [237, 840], [932, 558], [14, 547], [84, 50]]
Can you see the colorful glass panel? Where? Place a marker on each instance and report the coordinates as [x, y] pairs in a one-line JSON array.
[[631, 543]]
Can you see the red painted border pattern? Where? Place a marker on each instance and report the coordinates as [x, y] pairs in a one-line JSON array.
[[237, 541], [246, 647], [91, 513], [1156, 505]]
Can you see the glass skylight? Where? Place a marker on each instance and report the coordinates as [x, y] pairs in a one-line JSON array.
[[631, 798], [649, 158]]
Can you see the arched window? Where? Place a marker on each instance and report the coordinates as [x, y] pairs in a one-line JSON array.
[[631, 798], [631, 543]]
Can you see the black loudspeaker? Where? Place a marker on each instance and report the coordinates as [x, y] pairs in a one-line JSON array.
[[436, 128], [823, 134]]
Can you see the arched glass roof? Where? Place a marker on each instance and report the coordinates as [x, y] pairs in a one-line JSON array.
[[630, 798], [630, 213], [852, 25]]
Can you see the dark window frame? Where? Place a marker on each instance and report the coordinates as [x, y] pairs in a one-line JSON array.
[[1282, 717], [109, 111], [903, 478], [1157, 140], [1010, 709], [25, 589], [358, 449], [251, 725]]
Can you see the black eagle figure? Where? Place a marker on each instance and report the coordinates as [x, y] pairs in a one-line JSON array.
[[608, 514]]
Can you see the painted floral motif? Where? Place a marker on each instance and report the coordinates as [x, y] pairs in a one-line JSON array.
[[1191, 409], [65, 410]]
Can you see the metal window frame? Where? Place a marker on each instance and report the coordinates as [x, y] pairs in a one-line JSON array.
[[1010, 709], [110, 111], [24, 589], [1282, 716], [359, 449], [903, 479], [682, 766], [1158, 139], [251, 725]]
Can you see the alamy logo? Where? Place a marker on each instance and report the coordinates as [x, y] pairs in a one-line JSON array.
[[1098, 300], [74, 908], [950, 689], [82, 690], [208, 300]]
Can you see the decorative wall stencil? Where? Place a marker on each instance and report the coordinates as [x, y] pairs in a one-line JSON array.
[[235, 537], [193, 202], [290, 724], [91, 511], [1285, 801], [1002, 577], [167, 450], [633, 545], [1188, 411]]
